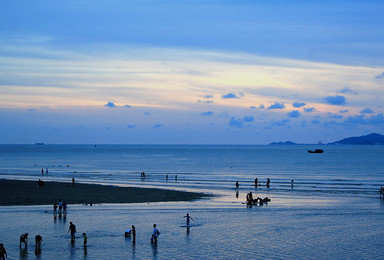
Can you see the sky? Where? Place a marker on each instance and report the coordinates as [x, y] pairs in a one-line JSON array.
[[190, 72]]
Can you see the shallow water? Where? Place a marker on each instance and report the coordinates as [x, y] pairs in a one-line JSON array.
[[333, 211]]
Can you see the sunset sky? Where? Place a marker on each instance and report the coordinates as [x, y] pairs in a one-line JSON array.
[[190, 72]]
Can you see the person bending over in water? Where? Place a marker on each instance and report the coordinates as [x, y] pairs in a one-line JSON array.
[[24, 239], [188, 219]]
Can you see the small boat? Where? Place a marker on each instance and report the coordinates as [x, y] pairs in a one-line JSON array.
[[316, 151]]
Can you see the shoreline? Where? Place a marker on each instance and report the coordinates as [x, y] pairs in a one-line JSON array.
[[24, 193]]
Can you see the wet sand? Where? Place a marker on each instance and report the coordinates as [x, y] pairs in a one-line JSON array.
[[15, 192]]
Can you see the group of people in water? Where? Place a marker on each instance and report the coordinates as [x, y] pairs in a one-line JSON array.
[[257, 201]]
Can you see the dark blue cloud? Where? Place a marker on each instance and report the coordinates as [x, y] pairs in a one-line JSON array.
[[309, 109], [131, 126], [128, 106], [244, 122], [381, 76], [335, 100], [367, 111], [276, 105], [147, 113], [231, 95], [261, 106], [110, 104], [344, 111], [208, 113], [157, 125], [294, 113], [298, 104], [362, 120]]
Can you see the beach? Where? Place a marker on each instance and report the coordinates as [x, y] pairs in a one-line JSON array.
[[17, 192]]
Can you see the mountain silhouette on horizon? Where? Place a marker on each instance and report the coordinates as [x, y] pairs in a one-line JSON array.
[[370, 139]]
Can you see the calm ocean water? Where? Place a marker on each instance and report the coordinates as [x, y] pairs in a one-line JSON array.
[[333, 211], [350, 170]]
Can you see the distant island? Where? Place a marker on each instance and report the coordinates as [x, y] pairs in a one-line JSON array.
[[371, 139], [283, 143]]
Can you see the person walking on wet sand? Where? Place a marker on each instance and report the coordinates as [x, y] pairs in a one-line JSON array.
[[3, 252], [268, 182], [188, 218], [256, 181], [237, 185], [72, 229]]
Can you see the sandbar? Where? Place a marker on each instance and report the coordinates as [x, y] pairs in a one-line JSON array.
[[18, 192]]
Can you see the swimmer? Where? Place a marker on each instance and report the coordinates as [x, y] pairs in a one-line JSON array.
[[188, 219]]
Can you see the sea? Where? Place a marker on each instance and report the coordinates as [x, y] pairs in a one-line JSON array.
[[322, 205]]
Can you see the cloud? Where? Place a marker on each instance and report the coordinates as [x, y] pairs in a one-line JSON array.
[[381, 76], [244, 122], [147, 113], [110, 104], [232, 95], [335, 100], [367, 111], [347, 91], [208, 113], [131, 126], [309, 109], [283, 122], [208, 96], [335, 116], [276, 105], [344, 111], [157, 125], [261, 106], [128, 106], [206, 101], [298, 104], [362, 120], [315, 121], [294, 113], [31, 110]]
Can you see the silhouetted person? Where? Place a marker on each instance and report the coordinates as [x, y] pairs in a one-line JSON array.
[[85, 239], [73, 182], [268, 182], [24, 239], [256, 181], [72, 229], [237, 185], [292, 184], [155, 234], [133, 230], [188, 218], [38, 241], [3, 252]]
